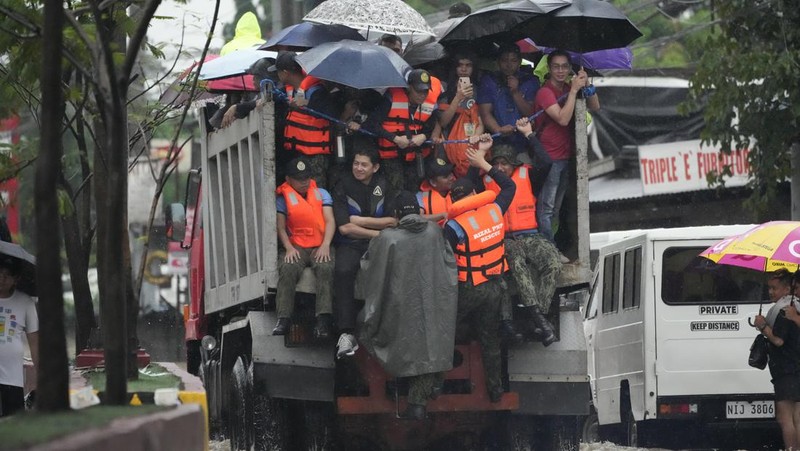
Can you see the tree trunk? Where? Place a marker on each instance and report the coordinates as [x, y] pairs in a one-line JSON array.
[[53, 376], [78, 269]]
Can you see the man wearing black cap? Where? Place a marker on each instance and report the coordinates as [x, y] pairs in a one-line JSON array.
[[306, 134], [305, 226], [476, 235], [533, 259], [359, 206], [507, 95], [404, 120], [412, 287], [434, 192]]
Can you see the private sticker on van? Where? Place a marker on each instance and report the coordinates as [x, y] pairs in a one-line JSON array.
[[719, 309], [714, 325]]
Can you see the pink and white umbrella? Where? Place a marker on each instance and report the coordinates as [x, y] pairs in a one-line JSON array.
[[768, 247]]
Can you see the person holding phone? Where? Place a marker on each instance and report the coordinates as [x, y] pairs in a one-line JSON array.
[[460, 118], [784, 354]]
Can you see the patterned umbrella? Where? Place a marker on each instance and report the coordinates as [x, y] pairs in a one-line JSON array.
[[378, 16], [769, 247]]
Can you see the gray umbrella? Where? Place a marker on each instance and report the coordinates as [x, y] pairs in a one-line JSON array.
[[26, 264], [358, 64], [373, 16]]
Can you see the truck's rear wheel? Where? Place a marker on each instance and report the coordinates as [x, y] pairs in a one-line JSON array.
[[240, 411], [590, 429], [319, 426], [630, 429], [193, 359], [269, 425]]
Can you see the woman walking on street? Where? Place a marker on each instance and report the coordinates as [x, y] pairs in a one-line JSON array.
[[784, 355]]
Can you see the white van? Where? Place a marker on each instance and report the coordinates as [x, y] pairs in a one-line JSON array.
[[668, 336]]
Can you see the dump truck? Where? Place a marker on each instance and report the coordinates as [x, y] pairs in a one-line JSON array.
[[290, 392]]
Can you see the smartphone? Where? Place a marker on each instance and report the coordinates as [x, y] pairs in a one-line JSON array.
[[464, 81]]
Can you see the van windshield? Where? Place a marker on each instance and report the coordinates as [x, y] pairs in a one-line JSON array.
[[690, 279]]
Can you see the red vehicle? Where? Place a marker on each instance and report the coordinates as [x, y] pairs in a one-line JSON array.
[[289, 392]]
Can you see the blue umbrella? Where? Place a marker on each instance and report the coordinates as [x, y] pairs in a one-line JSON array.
[[306, 35], [358, 64]]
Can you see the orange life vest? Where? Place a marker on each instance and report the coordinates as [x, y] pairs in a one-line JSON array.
[[470, 203], [305, 133], [482, 254], [399, 122], [521, 214], [432, 201], [304, 220]]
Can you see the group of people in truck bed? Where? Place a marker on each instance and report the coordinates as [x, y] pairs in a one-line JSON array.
[[495, 197]]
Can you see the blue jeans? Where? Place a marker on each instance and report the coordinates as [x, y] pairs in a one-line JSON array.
[[551, 196]]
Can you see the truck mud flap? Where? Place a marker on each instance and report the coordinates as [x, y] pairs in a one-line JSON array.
[[304, 373], [378, 401]]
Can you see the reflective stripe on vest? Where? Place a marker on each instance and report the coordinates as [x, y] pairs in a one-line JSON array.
[[482, 254], [305, 133], [400, 123], [305, 222], [521, 214]]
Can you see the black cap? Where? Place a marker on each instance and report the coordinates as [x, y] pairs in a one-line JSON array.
[[507, 152], [405, 203], [419, 79], [285, 61], [438, 167], [462, 188], [299, 168]]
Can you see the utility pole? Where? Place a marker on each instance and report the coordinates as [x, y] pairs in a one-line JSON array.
[[795, 177]]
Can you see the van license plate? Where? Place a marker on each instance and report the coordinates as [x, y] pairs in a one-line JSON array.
[[747, 409]]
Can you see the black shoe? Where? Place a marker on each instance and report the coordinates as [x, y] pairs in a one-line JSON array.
[[435, 392], [415, 412], [324, 328], [547, 333], [508, 333], [495, 395], [282, 326]]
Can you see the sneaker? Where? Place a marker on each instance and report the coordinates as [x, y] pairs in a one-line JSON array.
[[282, 327], [347, 346], [508, 333], [563, 258], [322, 330]]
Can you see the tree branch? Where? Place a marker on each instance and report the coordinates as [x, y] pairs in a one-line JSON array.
[[138, 36]]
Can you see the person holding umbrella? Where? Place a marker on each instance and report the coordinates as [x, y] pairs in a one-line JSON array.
[[555, 134], [784, 354], [304, 133], [17, 315]]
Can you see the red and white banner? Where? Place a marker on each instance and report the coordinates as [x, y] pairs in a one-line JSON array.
[[683, 166]]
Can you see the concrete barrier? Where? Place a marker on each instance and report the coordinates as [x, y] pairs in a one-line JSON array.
[[175, 429]]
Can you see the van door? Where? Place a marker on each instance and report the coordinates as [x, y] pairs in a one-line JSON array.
[[702, 334]]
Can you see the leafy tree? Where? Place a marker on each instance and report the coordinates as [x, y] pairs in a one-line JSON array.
[[748, 71]]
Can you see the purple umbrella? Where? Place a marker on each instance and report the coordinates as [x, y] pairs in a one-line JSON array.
[[619, 58]]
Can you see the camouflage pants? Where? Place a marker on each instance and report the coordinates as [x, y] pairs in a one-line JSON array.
[[289, 274], [401, 175], [479, 313], [420, 387], [535, 266]]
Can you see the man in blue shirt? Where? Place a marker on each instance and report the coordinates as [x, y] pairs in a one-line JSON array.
[[506, 96]]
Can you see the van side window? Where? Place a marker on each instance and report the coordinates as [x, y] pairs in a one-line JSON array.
[[689, 279], [632, 278], [611, 283]]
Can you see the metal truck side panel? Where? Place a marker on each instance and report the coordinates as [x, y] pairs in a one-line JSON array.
[[239, 212], [305, 373], [550, 398]]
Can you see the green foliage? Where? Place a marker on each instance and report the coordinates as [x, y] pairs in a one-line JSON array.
[[748, 75]]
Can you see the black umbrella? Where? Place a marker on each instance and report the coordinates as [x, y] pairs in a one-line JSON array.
[[26, 264], [584, 26], [495, 21], [358, 64], [418, 55], [306, 35]]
